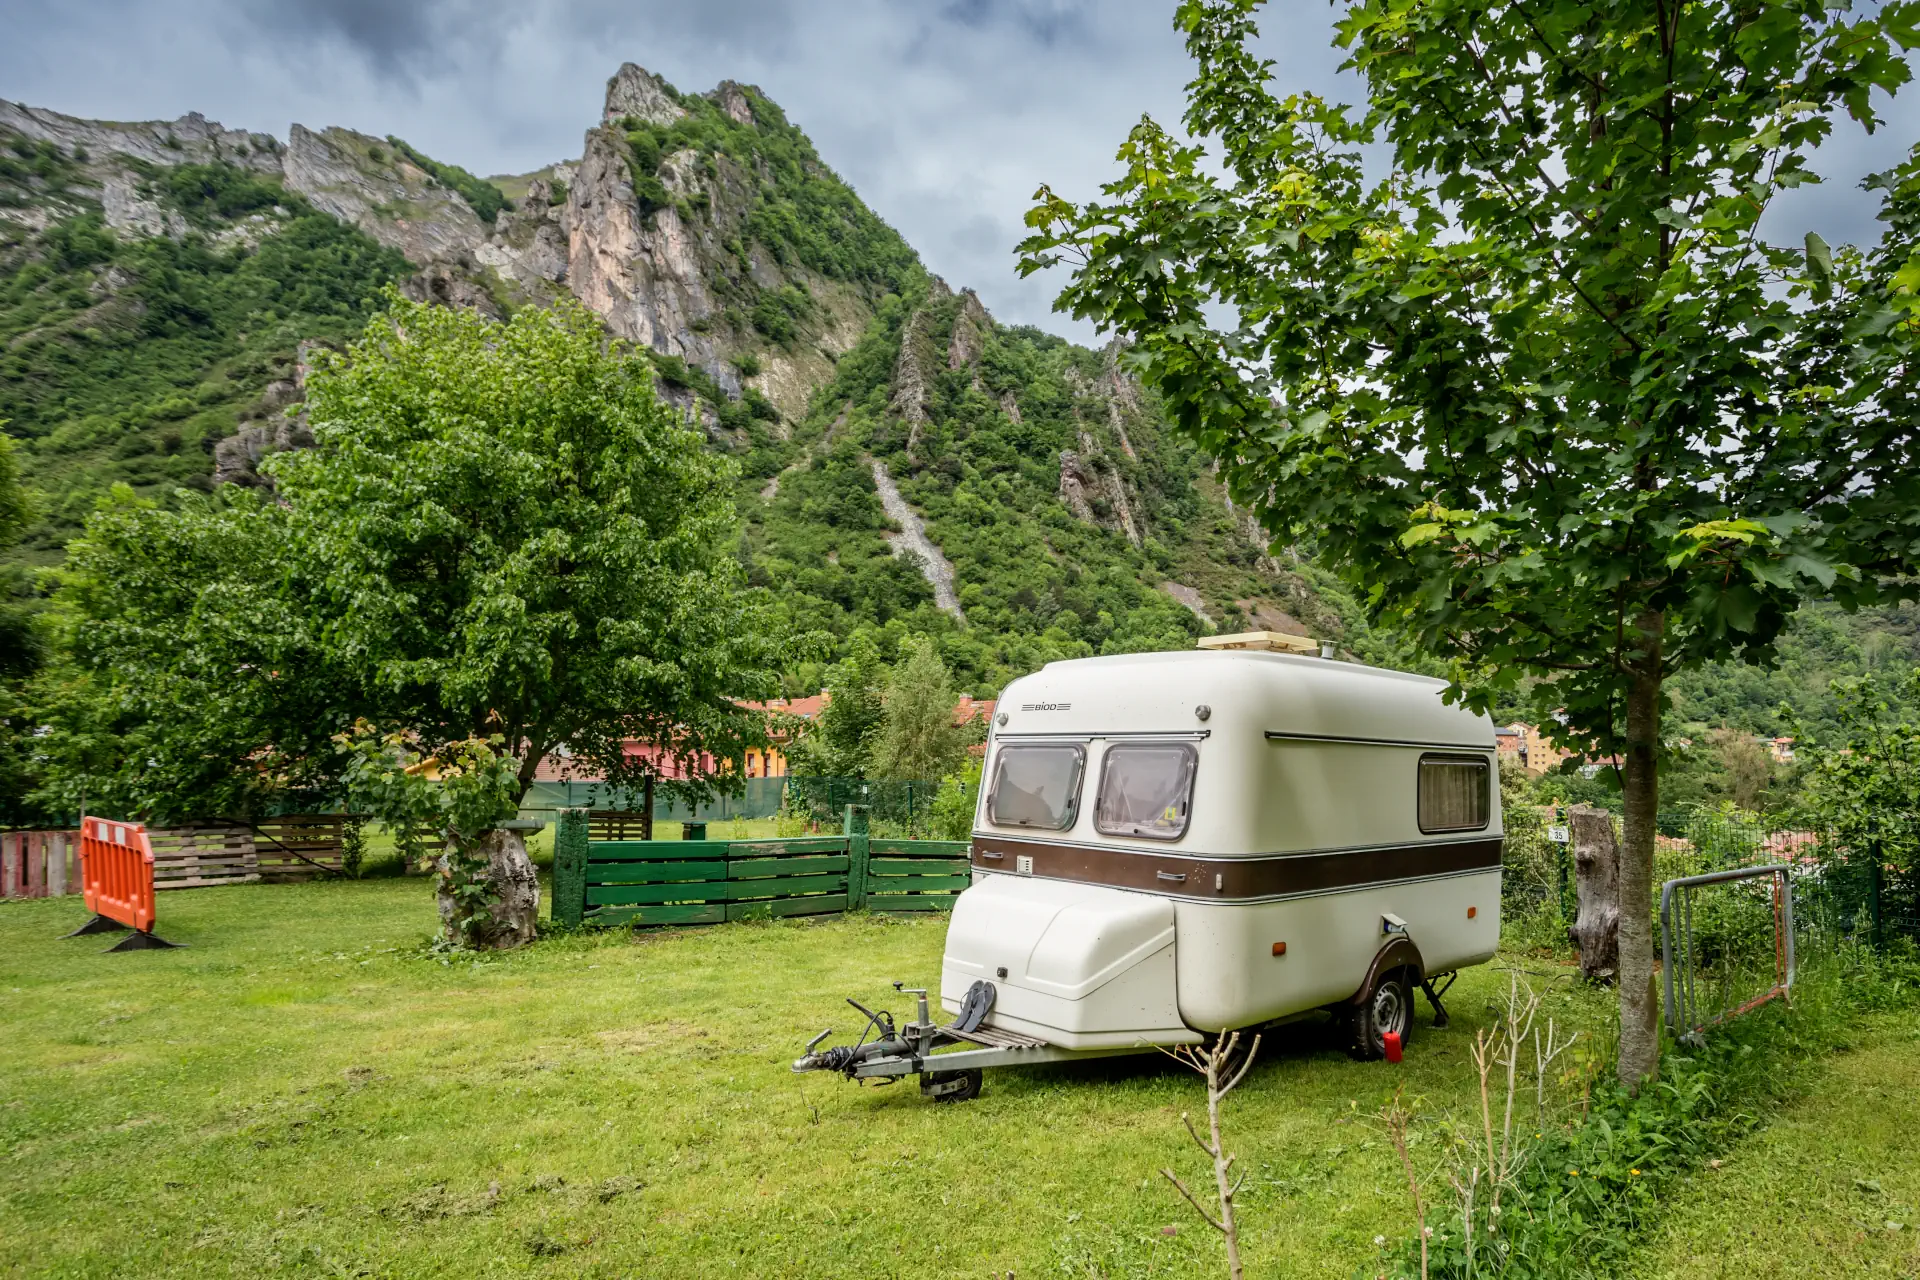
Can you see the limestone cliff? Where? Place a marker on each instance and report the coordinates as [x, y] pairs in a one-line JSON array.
[[687, 270], [363, 181]]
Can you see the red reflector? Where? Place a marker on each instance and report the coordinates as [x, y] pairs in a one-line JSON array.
[[1279, 948]]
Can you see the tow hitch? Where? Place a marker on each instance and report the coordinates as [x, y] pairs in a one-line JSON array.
[[949, 1058]]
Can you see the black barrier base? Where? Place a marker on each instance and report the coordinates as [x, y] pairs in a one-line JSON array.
[[141, 940], [99, 924]]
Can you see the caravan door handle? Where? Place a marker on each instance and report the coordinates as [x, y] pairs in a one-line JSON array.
[[1181, 878], [995, 856]]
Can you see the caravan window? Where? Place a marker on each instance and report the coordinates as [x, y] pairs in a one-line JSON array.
[[1037, 786], [1454, 793], [1145, 790]]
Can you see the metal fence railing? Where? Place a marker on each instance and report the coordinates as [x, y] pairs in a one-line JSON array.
[[1726, 945]]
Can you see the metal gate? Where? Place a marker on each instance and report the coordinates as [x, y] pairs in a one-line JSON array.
[[1689, 995]]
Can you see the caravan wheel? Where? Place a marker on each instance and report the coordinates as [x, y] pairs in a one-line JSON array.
[[951, 1086], [1388, 1007]]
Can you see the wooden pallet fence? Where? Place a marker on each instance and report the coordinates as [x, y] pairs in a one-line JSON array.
[[916, 875], [685, 882], [39, 864], [299, 846], [197, 857], [615, 824], [651, 882]]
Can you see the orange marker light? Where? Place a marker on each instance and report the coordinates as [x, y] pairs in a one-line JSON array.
[[1279, 948], [1472, 912]]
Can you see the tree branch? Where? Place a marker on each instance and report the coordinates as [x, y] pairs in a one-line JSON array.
[[1181, 1187]]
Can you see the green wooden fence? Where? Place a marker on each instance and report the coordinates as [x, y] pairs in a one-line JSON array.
[[676, 882]]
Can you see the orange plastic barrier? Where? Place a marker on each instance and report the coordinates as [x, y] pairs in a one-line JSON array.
[[116, 875]]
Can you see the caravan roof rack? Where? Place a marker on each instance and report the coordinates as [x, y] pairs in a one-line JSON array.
[[1263, 641]]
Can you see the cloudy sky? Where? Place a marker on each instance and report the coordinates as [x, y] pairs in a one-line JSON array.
[[943, 114]]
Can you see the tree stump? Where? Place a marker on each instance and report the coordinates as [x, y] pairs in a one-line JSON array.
[[1595, 932], [515, 913]]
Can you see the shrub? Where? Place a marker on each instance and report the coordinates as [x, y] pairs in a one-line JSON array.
[[1578, 1194], [651, 193], [759, 406], [646, 151]]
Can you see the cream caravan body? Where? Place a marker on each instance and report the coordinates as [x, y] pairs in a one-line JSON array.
[[1333, 811]]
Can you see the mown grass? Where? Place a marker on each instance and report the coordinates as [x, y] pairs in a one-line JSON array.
[[305, 1091], [1830, 1188]]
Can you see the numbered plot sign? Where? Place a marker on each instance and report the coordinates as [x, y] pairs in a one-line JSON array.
[[1558, 835]]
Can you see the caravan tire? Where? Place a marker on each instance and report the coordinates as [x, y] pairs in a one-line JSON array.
[[1388, 1007]]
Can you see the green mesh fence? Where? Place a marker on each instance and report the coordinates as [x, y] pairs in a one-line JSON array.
[[759, 798], [905, 803]]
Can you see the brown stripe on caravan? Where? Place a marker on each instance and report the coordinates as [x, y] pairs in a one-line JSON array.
[[1274, 876]]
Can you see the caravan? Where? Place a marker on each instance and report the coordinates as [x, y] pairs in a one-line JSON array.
[[1172, 845]]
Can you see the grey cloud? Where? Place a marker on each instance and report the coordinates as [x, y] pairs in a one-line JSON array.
[[944, 115], [388, 34]]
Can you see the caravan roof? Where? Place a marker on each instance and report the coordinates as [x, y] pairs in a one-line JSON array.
[[1245, 694]]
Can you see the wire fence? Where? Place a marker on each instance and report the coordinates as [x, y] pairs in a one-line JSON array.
[[1849, 892], [902, 805]]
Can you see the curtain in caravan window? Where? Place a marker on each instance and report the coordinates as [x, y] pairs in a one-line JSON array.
[[1453, 793]]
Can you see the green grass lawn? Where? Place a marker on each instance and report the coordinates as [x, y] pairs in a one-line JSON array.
[[305, 1091], [1830, 1188]]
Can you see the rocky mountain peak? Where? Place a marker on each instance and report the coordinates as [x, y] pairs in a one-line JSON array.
[[637, 92], [734, 101], [191, 139]]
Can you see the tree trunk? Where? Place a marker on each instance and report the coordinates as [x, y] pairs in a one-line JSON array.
[[646, 808], [1639, 1009], [1595, 931], [514, 914]]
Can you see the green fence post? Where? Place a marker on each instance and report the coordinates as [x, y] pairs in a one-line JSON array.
[[570, 867], [856, 831]]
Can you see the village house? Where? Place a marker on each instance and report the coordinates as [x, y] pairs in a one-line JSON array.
[[769, 761]]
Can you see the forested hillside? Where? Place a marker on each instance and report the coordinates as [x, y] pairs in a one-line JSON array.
[[127, 358], [908, 464]]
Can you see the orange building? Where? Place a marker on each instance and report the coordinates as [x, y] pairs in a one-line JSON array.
[[1526, 744]]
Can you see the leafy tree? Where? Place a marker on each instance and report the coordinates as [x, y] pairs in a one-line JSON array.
[[917, 736], [513, 536], [1746, 765], [1543, 393], [190, 682], [1863, 782], [502, 536], [841, 740]]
